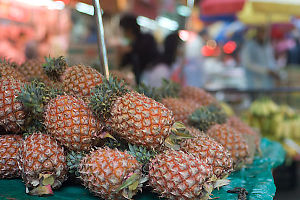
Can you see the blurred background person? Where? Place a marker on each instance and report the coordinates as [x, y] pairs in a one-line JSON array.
[[139, 50], [153, 76], [258, 59]]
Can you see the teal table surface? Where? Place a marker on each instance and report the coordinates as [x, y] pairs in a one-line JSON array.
[[256, 178]]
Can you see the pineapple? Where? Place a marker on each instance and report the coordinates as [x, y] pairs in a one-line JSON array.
[[8, 69], [232, 140], [78, 80], [106, 172], [243, 128], [252, 137], [12, 114], [180, 176], [167, 94], [9, 147], [210, 151], [71, 122], [33, 69], [133, 116], [42, 162], [198, 95], [181, 108]]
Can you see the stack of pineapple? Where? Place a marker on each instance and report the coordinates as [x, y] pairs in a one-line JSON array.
[[177, 141]]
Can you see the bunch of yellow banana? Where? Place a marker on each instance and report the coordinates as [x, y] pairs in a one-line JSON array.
[[274, 121], [264, 107]]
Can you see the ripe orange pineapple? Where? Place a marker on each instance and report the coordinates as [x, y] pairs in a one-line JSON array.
[[70, 121], [243, 128], [33, 69], [133, 116], [104, 172], [41, 157], [232, 140], [8, 69], [180, 176], [210, 151], [77, 80], [9, 147], [12, 115], [181, 108], [252, 137], [197, 94]]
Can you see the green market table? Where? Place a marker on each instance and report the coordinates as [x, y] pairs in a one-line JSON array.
[[256, 178]]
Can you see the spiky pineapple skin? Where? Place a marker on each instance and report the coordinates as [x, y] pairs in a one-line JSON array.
[[9, 147], [197, 94], [69, 120], [33, 69], [232, 140], [104, 170], [210, 151], [79, 80], [140, 120], [6, 70], [12, 114], [179, 176], [181, 108], [41, 154]]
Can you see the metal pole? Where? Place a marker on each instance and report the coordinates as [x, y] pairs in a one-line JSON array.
[[101, 42]]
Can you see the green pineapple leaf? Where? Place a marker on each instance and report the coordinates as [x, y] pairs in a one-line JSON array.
[[202, 118], [104, 95], [34, 96], [55, 67], [150, 92], [73, 161], [169, 89], [141, 154], [219, 113]]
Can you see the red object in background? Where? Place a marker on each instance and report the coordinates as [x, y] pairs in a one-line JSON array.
[[209, 51], [229, 47], [220, 7], [278, 31]]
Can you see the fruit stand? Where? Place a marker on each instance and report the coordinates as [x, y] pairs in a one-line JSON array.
[[257, 179], [118, 140]]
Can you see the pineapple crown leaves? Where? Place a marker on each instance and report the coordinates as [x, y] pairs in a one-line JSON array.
[[150, 92], [220, 114], [141, 154], [169, 89], [104, 95], [202, 118], [73, 161], [55, 67], [32, 96], [6, 61]]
